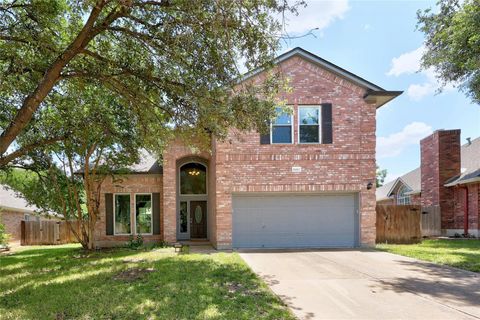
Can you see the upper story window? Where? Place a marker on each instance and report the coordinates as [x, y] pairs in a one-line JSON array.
[[402, 197], [309, 130], [282, 127]]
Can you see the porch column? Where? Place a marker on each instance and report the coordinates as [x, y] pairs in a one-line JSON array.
[[169, 198]]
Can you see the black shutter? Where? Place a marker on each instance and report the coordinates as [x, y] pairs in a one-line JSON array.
[[109, 213], [156, 213], [327, 127], [265, 138]]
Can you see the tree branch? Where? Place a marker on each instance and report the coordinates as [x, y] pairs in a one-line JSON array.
[[24, 150], [50, 78]]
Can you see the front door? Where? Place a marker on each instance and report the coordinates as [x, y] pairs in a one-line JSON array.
[[198, 219]]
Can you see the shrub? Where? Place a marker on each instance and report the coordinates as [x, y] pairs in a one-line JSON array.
[[4, 237], [135, 242]]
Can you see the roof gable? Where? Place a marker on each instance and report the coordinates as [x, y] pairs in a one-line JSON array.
[[374, 93], [411, 180]]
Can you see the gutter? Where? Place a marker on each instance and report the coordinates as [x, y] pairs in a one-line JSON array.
[[460, 182], [6, 208]]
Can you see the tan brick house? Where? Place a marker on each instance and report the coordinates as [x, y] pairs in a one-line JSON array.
[[309, 183], [448, 178]]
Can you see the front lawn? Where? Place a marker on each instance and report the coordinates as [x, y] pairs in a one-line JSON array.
[[463, 254], [63, 282]]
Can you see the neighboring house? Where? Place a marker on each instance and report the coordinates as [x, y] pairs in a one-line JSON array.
[[401, 191], [306, 184], [448, 177], [14, 209]]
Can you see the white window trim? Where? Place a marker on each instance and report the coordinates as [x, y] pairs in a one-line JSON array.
[[319, 107], [180, 181], [283, 125], [135, 212], [402, 199], [114, 222]]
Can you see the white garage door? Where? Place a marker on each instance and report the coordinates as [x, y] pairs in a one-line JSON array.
[[295, 221]]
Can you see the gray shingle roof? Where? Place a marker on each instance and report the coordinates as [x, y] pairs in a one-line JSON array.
[[470, 164], [412, 179], [148, 164], [11, 201]]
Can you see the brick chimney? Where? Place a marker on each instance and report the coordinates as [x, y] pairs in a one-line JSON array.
[[440, 161]]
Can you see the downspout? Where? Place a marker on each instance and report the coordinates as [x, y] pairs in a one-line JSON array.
[[465, 217]]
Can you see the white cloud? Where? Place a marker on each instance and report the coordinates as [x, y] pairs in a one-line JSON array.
[[394, 144], [318, 14], [409, 63], [406, 63]]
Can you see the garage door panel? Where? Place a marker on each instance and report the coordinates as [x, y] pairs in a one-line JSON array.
[[290, 221]]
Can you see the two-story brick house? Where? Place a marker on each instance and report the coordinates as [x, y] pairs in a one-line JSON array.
[[309, 183]]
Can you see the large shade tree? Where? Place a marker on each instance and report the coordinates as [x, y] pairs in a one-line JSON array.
[[177, 59], [84, 85], [453, 43]]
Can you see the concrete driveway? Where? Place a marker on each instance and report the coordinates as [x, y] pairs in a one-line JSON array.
[[366, 284]]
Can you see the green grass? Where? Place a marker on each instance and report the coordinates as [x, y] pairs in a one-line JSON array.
[[463, 254], [63, 282]]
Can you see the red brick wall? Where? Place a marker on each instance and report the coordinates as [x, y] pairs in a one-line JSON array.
[[135, 183], [176, 152], [416, 199], [347, 165], [440, 161], [12, 220], [473, 208]]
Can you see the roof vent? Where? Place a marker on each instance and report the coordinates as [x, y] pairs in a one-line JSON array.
[[469, 141]]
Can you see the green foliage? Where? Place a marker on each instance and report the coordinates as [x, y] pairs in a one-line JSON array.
[[135, 242], [453, 43], [4, 237], [64, 282], [171, 64], [380, 176], [35, 188]]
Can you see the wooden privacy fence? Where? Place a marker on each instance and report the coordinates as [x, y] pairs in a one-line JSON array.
[[47, 232], [398, 224], [431, 221]]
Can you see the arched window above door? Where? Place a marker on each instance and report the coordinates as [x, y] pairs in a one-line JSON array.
[[193, 178]]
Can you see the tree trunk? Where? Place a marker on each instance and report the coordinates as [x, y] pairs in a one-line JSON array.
[[91, 236], [50, 78]]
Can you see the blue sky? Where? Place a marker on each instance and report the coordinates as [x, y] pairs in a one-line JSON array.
[[377, 40]]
